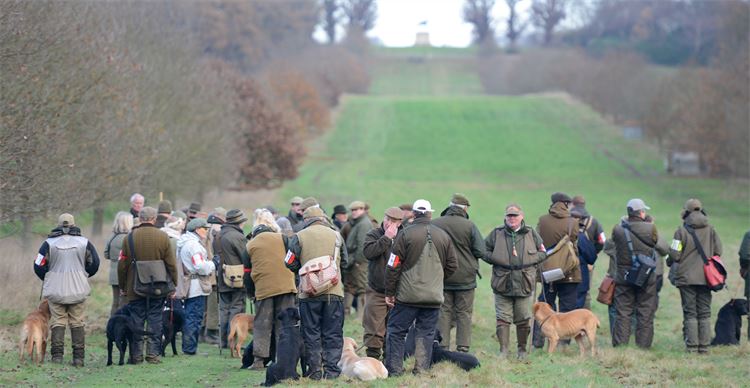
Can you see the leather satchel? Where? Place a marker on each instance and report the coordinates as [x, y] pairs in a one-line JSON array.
[[606, 291]]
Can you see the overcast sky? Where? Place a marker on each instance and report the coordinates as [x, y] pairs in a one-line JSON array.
[[398, 21]]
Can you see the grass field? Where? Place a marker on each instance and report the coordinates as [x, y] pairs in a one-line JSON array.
[[426, 131]]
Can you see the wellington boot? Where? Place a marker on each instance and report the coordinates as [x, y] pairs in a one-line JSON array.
[[57, 344], [503, 336], [522, 335], [78, 337]]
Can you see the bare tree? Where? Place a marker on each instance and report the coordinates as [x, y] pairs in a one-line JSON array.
[[547, 14], [330, 19], [515, 25], [479, 14], [360, 14]]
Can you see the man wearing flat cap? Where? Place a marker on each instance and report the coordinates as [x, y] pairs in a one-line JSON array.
[[356, 275], [233, 266], [321, 315], [515, 251], [377, 248], [554, 227], [64, 263], [304, 205], [458, 289]]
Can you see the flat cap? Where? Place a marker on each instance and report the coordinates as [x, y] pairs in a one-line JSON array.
[[356, 205], [394, 213], [560, 197], [165, 206], [308, 202], [196, 223], [460, 199], [296, 199]]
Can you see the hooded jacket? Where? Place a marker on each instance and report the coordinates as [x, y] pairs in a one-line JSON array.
[[195, 260], [553, 226], [468, 244], [684, 252]]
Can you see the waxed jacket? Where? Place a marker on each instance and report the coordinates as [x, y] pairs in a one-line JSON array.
[[468, 244], [515, 256], [553, 226], [684, 252]]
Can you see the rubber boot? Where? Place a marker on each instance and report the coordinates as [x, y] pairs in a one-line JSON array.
[[57, 344], [704, 335], [522, 335], [691, 334], [78, 337], [503, 336]]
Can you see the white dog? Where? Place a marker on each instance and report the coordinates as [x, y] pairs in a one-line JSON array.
[[363, 368]]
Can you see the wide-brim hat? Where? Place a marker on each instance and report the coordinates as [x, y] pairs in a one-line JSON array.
[[235, 216]]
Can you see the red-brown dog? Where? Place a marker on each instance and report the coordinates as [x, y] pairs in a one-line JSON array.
[[34, 334], [240, 325], [573, 324]]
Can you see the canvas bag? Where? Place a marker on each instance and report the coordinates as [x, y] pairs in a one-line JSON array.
[[562, 256], [320, 274], [713, 268], [233, 275], [151, 279], [642, 266]]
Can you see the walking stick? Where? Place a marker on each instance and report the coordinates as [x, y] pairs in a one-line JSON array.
[[218, 309]]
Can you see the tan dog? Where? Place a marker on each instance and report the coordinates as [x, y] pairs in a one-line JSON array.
[[573, 324], [240, 325], [34, 334], [363, 368]]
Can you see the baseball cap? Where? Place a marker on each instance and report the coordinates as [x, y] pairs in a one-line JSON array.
[[513, 210], [422, 206], [66, 219], [637, 204]]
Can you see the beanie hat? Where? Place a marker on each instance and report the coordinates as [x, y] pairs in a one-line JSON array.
[[235, 216]]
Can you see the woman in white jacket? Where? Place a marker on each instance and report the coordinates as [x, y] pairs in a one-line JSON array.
[[198, 267]]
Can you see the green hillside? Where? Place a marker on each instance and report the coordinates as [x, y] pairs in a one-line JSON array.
[[426, 131]]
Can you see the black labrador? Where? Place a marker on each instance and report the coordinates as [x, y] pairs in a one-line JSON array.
[[172, 319], [120, 331], [289, 350], [465, 361], [729, 322]]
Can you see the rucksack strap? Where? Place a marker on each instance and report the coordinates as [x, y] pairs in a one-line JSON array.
[[626, 228], [697, 243]]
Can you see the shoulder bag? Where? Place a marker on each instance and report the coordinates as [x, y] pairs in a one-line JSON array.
[[713, 268], [151, 279]]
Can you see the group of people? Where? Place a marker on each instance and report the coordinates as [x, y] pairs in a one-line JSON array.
[[412, 271]]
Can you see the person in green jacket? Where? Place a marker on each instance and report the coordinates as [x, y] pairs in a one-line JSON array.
[[355, 279], [745, 270], [690, 278], [515, 251], [458, 289]]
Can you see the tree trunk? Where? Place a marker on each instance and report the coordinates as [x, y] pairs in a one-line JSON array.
[[98, 221]]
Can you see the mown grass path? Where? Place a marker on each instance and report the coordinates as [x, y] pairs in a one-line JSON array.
[[426, 131]]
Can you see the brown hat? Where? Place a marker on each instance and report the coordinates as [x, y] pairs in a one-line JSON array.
[[194, 207], [165, 206], [308, 202], [406, 207], [296, 199], [460, 199], [394, 213], [693, 204], [235, 216], [560, 197], [578, 200], [312, 212], [513, 210], [356, 205], [66, 219]]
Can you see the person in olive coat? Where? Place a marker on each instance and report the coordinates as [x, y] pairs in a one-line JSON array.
[[689, 277]]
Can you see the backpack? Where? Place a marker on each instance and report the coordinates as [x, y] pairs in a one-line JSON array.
[[320, 274]]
